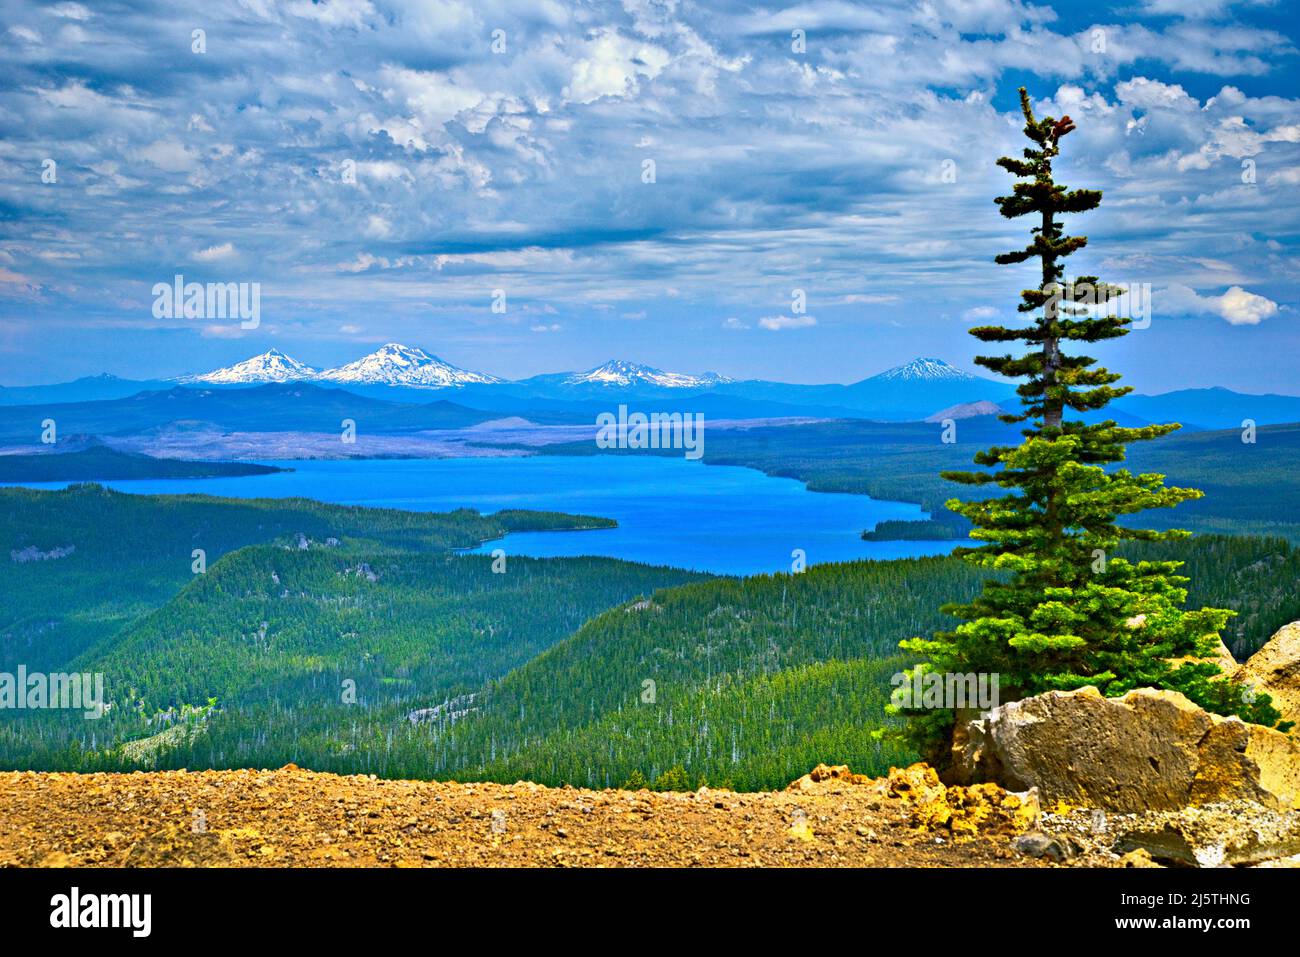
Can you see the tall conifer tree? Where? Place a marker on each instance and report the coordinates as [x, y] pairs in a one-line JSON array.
[[1067, 611]]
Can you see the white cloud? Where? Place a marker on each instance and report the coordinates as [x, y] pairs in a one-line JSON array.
[[433, 97], [1197, 8], [612, 65], [70, 11], [1237, 306], [230, 330], [1284, 177], [1242, 308], [170, 156], [787, 321], [1146, 94], [215, 253], [477, 170], [334, 13], [869, 299]]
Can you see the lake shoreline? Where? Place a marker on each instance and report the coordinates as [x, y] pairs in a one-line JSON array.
[[724, 519]]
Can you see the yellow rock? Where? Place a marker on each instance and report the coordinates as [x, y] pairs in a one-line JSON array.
[[962, 811], [803, 831]]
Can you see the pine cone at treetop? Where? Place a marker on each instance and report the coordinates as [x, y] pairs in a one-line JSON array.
[[1063, 125]]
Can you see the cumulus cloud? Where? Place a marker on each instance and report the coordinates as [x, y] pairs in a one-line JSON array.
[[1237, 306], [382, 155], [612, 65]]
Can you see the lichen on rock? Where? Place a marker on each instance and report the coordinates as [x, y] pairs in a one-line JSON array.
[[960, 811]]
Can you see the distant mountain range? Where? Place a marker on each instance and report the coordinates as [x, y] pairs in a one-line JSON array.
[[399, 374], [1214, 408], [392, 364]]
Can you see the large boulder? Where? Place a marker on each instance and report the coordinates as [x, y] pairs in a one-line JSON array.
[[1226, 835], [1275, 670], [1149, 750]]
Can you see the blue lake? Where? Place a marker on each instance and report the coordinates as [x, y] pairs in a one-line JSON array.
[[721, 519]]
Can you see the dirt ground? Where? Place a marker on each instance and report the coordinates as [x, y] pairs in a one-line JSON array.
[[298, 818]]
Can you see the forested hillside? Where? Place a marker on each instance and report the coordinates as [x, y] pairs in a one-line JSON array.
[[105, 464], [357, 640], [77, 565], [734, 680], [754, 678], [344, 620]]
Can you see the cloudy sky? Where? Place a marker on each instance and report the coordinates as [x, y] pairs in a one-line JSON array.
[[650, 180]]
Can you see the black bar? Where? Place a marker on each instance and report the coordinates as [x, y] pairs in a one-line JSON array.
[[336, 905]]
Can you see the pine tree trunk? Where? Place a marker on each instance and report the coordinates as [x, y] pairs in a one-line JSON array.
[[1052, 408]]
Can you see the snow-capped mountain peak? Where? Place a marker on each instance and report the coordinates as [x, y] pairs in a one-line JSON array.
[[925, 370], [399, 365], [271, 366], [619, 372]]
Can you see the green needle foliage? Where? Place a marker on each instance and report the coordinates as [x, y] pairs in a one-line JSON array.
[[1065, 612]]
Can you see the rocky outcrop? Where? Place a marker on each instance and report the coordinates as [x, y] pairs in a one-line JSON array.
[[1232, 834], [1275, 670], [1149, 750], [828, 772], [959, 811], [1220, 836]]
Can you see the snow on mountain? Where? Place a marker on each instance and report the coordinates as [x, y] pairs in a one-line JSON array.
[[271, 366], [399, 365], [712, 378], [925, 370], [617, 372]]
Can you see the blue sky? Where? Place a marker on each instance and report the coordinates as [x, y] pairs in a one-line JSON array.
[[381, 167]]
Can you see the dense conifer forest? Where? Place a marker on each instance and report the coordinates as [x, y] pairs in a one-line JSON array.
[[357, 640]]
